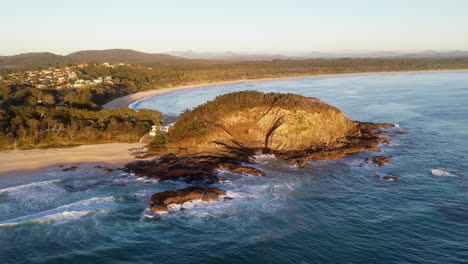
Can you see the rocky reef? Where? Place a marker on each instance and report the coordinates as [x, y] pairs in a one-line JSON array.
[[202, 169], [225, 133]]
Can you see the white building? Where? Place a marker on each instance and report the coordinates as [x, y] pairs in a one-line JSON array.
[[163, 129]]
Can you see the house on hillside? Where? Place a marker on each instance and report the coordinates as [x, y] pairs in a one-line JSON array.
[[163, 129]]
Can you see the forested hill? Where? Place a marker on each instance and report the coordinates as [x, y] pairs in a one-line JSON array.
[[124, 56], [46, 59], [32, 60]]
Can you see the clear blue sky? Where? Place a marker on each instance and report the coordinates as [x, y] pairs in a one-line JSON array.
[[282, 26]]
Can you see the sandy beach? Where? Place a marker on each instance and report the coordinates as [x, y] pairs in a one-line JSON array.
[[112, 154], [125, 101]]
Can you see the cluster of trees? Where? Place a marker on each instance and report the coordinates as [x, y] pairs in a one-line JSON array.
[[26, 126], [14, 95], [85, 98]]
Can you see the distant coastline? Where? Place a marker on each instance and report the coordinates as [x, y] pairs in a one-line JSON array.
[[121, 153], [126, 101]]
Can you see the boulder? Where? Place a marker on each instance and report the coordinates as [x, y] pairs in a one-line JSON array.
[[160, 201], [391, 178], [379, 160], [73, 168]]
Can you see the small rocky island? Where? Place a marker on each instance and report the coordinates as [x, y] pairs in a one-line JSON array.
[[225, 133]]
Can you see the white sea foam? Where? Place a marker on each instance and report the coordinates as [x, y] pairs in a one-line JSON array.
[[263, 158], [187, 205], [440, 172], [61, 217], [397, 126], [29, 185], [146, 180], [65, 212], [134, 179]]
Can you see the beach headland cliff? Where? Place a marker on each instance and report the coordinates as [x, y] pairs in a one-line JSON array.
[[225, 133]]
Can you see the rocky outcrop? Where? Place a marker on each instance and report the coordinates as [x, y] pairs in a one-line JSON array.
[[159, 201], [271, 122], [291, 127], [378, 160], [199, 169], [223, 134]]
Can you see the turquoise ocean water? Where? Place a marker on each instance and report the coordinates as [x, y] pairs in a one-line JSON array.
[[327, 212]]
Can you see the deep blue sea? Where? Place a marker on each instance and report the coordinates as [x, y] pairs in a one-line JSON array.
[[327, 212]]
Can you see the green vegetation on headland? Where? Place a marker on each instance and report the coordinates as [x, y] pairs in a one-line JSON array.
[[23, 127], [253, 121], [195, 123]]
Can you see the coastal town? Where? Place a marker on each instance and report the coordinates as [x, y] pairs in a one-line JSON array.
[[67, 77]]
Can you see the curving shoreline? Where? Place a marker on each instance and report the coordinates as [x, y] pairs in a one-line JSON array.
[[118, 153], [126, 101]]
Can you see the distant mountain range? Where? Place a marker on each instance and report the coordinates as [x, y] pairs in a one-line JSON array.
[[229, 55], [438, 54], [46, 59]]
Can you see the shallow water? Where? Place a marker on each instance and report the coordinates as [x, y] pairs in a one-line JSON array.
[[327, 212]]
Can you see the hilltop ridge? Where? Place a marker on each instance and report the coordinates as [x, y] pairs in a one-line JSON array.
[[201, 59], [123, 56], [47, 59]]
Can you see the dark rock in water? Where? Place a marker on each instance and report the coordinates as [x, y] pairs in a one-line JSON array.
[[391, 178], [160, 201], [109, 170], [379, 160], [297, 162], [73, 168], [195, 169], [238, 169]]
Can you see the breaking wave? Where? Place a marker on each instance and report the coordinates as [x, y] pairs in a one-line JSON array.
[[441, 172], [29, 185], [65, 212]]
